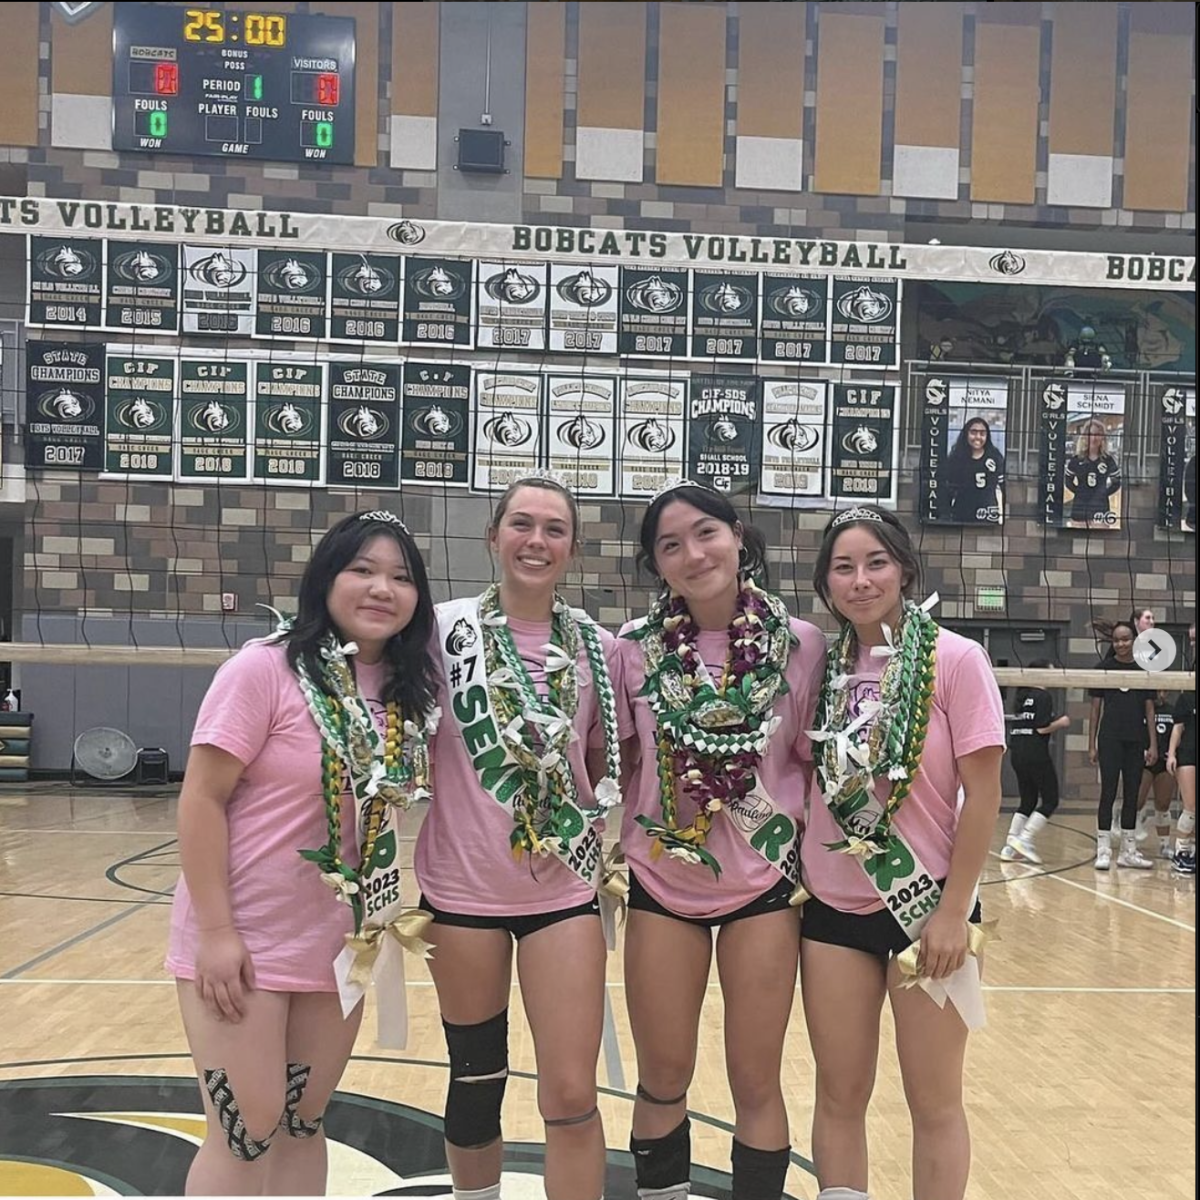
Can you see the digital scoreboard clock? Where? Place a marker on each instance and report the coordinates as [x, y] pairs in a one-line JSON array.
[[267, 85]]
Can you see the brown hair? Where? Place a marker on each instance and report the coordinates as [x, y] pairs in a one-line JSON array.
[[549, 485], [885, 527]]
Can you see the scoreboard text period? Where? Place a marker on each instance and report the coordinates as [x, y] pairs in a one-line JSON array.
[[268, 85]]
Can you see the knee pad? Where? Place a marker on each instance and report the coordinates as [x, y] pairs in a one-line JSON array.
[[1186, 823], [293, 1124], [241, 1145], [758, 1174], [478, 1077], [663, 1163]]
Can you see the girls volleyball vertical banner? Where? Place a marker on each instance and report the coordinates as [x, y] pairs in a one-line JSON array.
[[964, 427], [1082, 448], [1177, 458]]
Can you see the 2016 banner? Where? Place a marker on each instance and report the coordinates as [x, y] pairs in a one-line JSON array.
[[964, 423], [1177, 457], [1083, 429]]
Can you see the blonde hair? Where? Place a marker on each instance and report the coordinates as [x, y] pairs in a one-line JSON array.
[[1090, 427]]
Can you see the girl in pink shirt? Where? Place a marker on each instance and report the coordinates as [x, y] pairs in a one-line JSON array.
[[303, 748], [720, 687], [908, 715], [526, 762]]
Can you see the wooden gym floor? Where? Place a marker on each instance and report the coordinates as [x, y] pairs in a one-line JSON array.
[[1082, 1087]]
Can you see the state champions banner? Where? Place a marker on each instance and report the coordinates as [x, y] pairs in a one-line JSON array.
[[218, 227]]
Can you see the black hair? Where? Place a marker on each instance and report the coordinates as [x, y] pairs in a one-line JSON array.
[[886, 528], [752, 561], [411, 681], [962, 447], [1027, 689], [548, 485]]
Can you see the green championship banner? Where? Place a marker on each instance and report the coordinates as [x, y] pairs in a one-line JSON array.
[[436, 432], [64, 405], [65, 276], [724, 427], [141, 287], [862, 449], [287, 422], [362, 447], [214, 419], [139, 416]]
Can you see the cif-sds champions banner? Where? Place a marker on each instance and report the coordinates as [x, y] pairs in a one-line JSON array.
[[295, 419]]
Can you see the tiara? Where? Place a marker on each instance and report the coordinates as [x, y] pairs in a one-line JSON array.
[[675, 485], [544, 475], [855, 514], [381, 514]]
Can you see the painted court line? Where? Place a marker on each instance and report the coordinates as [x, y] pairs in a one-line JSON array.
[[1033, 873]]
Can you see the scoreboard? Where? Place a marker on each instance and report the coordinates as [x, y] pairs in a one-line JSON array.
[[233, 83]]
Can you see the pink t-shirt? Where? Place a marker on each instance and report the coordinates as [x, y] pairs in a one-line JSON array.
[[464, 860], [691, 889], [965, 716], [290, 920]]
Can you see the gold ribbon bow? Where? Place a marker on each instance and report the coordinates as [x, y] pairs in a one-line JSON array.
[[614, 884], [407, 929], [799, 896], [978, 936]]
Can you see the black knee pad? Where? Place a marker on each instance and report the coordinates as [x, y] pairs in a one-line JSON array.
[[478, 1077], [241, 1144], [293, 1124], [666, 1161], [758, 1174]]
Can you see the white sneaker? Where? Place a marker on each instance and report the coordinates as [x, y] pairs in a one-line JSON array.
[[1131, 856], [1103, 850], [1027, 850], [1008, 854]]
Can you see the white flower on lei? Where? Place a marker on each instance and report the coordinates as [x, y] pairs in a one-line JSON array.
[[377, 776], [556, 658], [494, 620], [548, 846], [607, 792], [345, 888], [684, 854]]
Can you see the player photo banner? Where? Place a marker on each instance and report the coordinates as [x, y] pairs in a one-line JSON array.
[[862, 450], [650, 433], [865, 322], [511, 306], [724, 427], [794, 424], [1082, 445], [214, 419], [141, 287], [581, 417], [64, 405], [583, 309], [437, 308], [794, 322], [139, 416], [653, 320], [218, 290], [361, 434], [65, 276], [364, 298], [291, 294], [1177, 458], [436, 430], [725, 315], [964, 425], [287, 422], [508, 428]]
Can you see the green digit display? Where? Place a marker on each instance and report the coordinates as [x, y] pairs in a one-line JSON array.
[[255, 87], [324, 134], [158, 124]]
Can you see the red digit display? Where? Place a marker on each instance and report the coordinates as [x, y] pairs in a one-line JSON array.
[[328, 87], [166, 79]]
